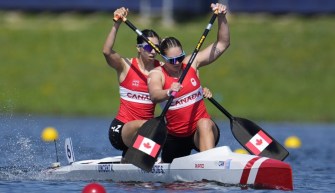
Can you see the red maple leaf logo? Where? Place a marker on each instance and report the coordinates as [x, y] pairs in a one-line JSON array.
[[147, 145], [259, 141]]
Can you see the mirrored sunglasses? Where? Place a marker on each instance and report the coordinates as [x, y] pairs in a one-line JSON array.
[[147, 47], [174, 60]]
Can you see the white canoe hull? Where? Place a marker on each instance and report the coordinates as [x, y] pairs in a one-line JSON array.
[[218, 164]]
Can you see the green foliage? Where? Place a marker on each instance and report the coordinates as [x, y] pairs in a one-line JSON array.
[[276, 69]]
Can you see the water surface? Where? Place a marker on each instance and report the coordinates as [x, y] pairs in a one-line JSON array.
[[24, 155]]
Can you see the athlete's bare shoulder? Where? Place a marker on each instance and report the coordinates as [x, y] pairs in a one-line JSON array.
[[158, 69]]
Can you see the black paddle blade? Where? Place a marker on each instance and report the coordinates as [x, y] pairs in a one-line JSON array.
[[147, 144], [255, 140]]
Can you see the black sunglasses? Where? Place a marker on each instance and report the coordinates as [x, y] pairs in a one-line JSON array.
[[174, 60]]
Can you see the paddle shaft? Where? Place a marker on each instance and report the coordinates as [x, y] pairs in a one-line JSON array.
[[244, 130], [194, 54], [223, 110], [139, 32]]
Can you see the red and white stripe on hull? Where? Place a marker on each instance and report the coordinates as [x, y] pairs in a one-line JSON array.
[[274, 174], [266, 173]]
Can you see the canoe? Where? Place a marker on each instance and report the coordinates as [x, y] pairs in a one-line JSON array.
[[219, 164]]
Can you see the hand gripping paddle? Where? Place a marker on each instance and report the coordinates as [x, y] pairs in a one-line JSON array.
[[138, 32]]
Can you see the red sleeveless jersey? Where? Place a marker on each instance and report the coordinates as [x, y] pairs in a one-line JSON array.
[[188, 105], [135, 103]]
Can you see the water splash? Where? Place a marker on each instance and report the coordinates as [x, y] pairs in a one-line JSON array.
[[22, 152]]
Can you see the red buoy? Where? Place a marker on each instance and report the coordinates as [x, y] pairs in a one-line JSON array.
[[94, 188]]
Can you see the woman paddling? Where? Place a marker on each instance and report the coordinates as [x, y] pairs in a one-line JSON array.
[[188, 123], [135, 104]]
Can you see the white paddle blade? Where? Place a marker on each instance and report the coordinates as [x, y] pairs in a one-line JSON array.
[[69, 150]]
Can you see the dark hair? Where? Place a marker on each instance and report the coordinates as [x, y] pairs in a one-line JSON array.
[[169, 42], [147, 33]]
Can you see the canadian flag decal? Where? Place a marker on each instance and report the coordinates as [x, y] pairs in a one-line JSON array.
[[146, 145], [258, 142]]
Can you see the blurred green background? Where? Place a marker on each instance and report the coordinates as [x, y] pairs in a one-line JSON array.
[[276, 69]]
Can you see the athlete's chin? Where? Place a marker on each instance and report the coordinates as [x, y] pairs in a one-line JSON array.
[[177, 66], [151, 58]]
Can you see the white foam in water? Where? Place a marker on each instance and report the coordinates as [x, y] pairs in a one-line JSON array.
[[23, 155]]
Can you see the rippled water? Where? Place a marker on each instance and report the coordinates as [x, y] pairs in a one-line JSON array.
[[24, 155]]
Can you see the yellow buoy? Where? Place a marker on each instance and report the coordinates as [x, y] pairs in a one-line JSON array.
[[292, 142], [241, 151], [49, 134]]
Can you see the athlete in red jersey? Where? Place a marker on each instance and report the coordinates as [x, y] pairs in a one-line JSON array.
[[187, 106], [189, 125], [135, 104]]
